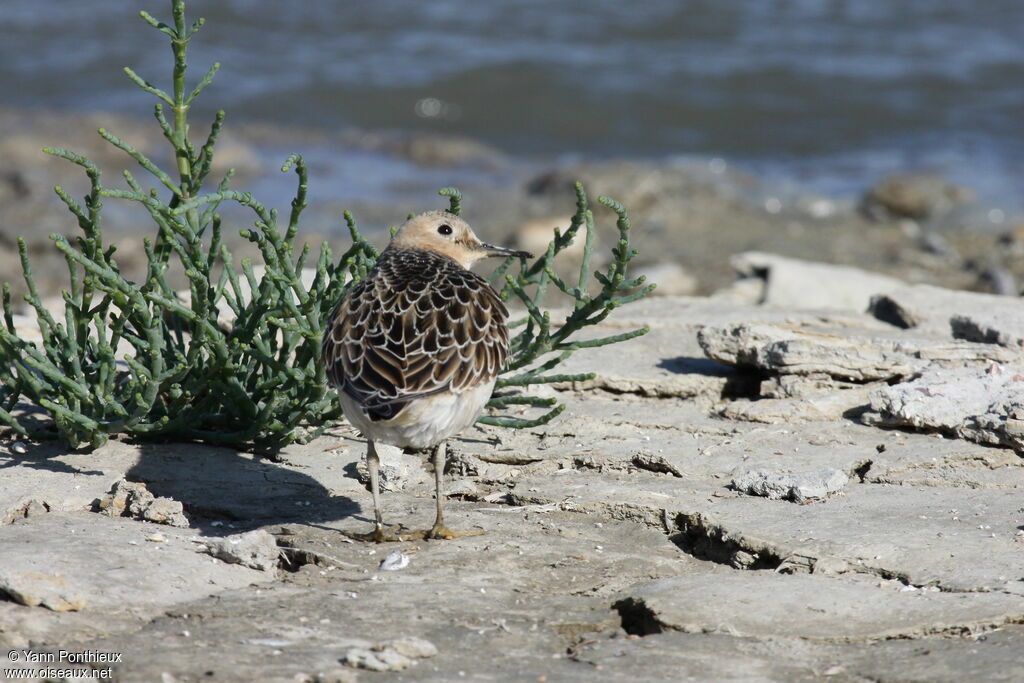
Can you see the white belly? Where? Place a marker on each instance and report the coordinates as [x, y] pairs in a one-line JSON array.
[[425, 422]]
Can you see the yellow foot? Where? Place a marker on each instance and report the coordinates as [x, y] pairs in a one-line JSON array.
[[385, 534], [439, 531]]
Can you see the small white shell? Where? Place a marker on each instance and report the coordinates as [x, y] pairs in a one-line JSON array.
[[394, 561]]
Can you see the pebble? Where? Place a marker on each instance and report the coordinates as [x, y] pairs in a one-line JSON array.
[[383, 657], [255, 549], [412, 646]]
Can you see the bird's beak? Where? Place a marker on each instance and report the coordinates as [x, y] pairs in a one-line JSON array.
[[503, 251]]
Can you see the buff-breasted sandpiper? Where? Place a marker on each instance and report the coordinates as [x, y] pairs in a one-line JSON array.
[[415, 348]]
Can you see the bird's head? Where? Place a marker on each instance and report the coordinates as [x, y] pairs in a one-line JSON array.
[[447, 234]]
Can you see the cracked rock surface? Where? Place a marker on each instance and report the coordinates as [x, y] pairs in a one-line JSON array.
[[617, 546]]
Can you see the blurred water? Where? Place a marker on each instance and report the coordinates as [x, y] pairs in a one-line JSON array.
[[830, 93]]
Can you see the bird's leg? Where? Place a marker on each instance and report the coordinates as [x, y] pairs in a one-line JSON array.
[[440, 455], [439, 530], [373, 466], [380, 533]]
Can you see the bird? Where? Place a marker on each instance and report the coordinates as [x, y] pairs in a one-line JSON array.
[[415, 347]]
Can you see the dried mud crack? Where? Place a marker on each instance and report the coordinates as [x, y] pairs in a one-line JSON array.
[[713, 543]]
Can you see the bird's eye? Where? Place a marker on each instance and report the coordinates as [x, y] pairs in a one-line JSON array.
[[444, 229]]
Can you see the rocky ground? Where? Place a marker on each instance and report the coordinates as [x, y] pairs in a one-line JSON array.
[[773, 484], [755, 491]]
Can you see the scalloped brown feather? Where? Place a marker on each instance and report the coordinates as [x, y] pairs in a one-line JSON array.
[[419, 324]]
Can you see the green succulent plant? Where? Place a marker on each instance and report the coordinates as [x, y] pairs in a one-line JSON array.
[[143, 359]]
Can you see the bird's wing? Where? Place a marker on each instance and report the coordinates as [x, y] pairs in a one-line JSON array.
[[404, 333]]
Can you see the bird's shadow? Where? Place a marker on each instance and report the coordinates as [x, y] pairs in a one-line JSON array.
[[43, 456], [221, 490], [226, 492]]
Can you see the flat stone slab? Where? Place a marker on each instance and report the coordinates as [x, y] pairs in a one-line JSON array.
[[131, 565], [848, 354], [981, 404], [668, 361], [966, 467], [682, 440], [958, 539], [48, 478], [755, 604], [795, 283], [991, 656], [675, 656]]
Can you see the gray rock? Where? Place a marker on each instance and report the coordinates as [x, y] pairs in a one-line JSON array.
[[809, 285], [463, 488], [912, 195], [394, 655], [1003, 325], [380, 660], [1000, 280], [416, 648], [799, 487], [992, 656], [847, 354], [934, 243], [656, 463], [980, 468], [447, 151], [255, 549], [133, 499], [981, 404]]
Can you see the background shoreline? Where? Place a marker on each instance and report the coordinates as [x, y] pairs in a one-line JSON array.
[[689, 212]]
